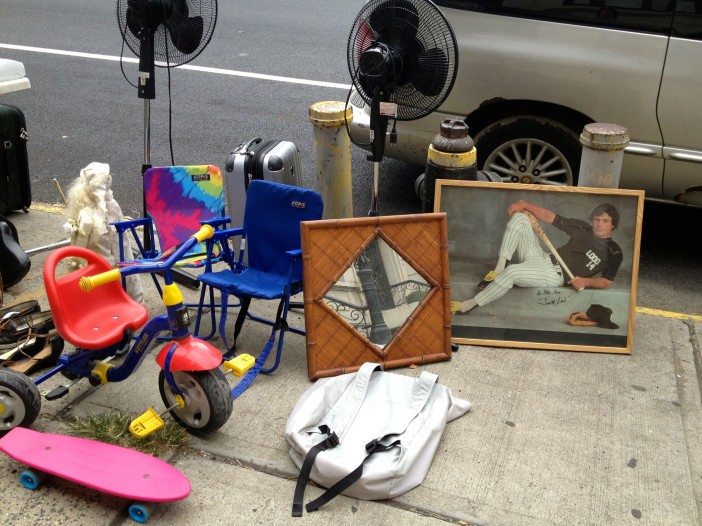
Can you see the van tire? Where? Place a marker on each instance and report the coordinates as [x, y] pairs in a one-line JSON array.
[[560, 145]]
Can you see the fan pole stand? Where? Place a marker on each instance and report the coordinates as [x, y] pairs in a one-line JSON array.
[[145, 166], [378, 129], [146, 90], [147, 137]]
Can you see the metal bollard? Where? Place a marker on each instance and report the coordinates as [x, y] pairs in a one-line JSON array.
[[332, 157], [451, 155], [603, 152]]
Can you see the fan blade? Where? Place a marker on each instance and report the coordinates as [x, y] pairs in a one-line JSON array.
[[431, 73], [364, 38], [395, 19], [134, 23], [186, 33]]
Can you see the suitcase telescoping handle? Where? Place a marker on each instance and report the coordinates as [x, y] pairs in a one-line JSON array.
[[242, 149]]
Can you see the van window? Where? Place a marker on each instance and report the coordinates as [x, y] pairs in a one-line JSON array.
[[651, 16], [688, 19]]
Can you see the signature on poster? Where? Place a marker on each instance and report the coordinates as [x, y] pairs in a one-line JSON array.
[[550, 297]]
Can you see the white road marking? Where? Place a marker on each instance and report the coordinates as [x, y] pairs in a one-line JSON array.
[[203, 69]]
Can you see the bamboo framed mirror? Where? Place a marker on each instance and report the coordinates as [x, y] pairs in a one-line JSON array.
[[376, 290]]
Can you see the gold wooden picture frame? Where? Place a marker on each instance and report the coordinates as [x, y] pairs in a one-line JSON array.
[[337, 344], [529, 307]]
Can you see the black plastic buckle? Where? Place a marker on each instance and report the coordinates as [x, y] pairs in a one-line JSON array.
[[370, 446], [332, 441]]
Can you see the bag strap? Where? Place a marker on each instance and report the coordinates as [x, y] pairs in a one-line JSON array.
[[349, 403], [331, 441], [420, 395]]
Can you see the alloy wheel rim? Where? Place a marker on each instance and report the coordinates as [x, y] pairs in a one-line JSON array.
[[530, 161]]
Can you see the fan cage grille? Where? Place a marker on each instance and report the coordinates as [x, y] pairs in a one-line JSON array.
[[207, 9], [433, 32]]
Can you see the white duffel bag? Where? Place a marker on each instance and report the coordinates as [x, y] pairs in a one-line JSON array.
[[370, 435]]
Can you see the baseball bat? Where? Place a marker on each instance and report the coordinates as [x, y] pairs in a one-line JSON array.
[[540, 232]]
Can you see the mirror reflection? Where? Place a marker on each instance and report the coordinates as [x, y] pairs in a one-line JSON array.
[[378, 292]]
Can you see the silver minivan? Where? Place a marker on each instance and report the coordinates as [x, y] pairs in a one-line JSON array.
[[532, 73]]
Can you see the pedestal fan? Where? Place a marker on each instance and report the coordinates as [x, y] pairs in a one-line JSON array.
[[174, 31], [402, 57]]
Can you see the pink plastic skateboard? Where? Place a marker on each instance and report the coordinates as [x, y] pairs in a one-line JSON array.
[[103, 467]]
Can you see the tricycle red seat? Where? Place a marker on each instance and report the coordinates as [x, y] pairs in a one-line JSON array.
[[89, 320]]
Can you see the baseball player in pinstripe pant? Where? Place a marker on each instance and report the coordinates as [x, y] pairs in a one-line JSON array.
[[590, 253]]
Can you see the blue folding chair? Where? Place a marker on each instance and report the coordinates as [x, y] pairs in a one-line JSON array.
[[271, 232]]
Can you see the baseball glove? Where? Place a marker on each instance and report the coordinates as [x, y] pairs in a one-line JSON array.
[[580, 319]]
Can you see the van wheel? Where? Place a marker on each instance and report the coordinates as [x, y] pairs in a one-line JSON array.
[[529, 149]]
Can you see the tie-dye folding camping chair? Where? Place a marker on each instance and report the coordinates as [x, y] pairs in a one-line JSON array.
[[178, 199]]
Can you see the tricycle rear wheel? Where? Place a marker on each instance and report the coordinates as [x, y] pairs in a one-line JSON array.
[[20, 401], [208, 402]]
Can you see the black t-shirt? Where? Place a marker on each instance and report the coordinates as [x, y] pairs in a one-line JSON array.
[[584, 253]]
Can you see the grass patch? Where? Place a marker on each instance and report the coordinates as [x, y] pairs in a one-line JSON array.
[[113, 427]]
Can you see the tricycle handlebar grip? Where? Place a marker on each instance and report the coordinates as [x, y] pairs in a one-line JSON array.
[[205, 232], [88, 283]]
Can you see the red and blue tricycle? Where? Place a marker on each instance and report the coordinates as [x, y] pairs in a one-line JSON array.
[[92, 312]]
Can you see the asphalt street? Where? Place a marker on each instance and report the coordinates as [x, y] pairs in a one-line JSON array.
[[81, 109]]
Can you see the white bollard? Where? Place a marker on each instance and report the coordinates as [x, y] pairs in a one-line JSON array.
[[332, 157], [603, 152]]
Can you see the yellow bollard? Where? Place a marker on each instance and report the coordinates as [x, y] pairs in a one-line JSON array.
[[332, 157]]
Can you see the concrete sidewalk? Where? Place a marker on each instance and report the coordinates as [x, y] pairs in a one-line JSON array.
[[554, 438]]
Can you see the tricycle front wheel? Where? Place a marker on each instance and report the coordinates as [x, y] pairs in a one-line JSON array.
[[208, 402]]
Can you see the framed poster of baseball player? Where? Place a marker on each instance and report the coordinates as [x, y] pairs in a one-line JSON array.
[[542, 267]]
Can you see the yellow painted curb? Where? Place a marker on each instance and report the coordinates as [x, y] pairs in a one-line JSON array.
[[669, 314], [45, 207]]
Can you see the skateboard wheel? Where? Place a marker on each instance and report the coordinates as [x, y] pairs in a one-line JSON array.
[[31, 479], [140, 512]]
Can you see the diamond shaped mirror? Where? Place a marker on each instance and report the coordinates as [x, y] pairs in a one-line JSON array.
[[378, 292], [376, 289]]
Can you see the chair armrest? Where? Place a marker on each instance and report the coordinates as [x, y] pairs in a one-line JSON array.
[[220, 235], [123, 226], [216, 221], [130, 225]]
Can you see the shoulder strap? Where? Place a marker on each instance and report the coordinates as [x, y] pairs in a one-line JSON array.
[[420, 394], [346, 408]]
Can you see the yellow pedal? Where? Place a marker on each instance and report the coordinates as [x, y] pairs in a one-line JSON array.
[[239, 364], [145, 424]]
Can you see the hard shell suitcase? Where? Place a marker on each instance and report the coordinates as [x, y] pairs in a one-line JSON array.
[[15, 192], [277, 161]]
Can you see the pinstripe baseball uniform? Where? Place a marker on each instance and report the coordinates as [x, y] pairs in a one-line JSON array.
[[585, 254]]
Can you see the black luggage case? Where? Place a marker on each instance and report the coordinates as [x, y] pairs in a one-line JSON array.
[[15, 192]]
